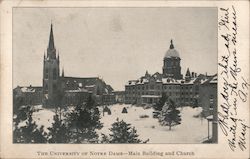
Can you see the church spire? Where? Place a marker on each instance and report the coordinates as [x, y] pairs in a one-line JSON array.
[[63, 72], [171, 44], [51, 45], [188, 73], [58, 56]]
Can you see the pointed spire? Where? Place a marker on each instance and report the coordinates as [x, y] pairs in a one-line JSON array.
[[188, 73], [58, 57], [51, 45], [63, 72], [171, 44]]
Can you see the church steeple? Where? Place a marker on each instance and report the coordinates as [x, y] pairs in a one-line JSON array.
[[51, 50], [51, 45], [171, 44], [51, 72]]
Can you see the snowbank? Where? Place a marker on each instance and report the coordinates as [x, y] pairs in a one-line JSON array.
[[191, 129]]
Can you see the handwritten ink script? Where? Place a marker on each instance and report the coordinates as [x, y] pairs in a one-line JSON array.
[[235, 85]]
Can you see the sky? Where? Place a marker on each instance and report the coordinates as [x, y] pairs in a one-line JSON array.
[[115, 44]]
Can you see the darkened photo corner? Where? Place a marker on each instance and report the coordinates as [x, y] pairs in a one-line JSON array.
[[115, 75]]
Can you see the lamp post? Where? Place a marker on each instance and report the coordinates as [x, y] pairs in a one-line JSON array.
[[209, 119]]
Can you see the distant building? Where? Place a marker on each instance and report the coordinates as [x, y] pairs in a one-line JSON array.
[[208, 101], [27, 95], [119, 96]]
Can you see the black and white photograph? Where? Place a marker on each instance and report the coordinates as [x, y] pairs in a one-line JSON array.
[[124, 79], [115, 75]]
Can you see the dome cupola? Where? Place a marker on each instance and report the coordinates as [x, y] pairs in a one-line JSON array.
[[171, 51]]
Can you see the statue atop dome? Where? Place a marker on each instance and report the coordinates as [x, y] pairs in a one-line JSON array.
[[171, 45]]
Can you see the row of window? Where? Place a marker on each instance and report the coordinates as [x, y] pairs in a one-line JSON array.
[[159, 93], [152, 87], [175, 99], [46, 87], [55, 75], [138, 87]]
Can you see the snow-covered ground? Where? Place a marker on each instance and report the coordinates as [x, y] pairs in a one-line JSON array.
[[191, 129]]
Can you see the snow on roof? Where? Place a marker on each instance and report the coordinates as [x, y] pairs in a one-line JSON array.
[[191, 81], [27, 89], [203, 80], [90, 86], [132, 82], [172, 53], [210, 117], [169, 81], [77, 90], [158, 80], [106, 90], [150, 96], [214, 80]]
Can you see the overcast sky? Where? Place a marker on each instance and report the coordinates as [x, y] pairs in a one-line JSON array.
[[117, 44]]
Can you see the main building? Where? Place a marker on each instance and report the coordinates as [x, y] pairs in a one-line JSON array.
[[191, 90]]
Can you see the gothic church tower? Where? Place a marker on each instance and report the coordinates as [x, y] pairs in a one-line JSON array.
[[51, 72]]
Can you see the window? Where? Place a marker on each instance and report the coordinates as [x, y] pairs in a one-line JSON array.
[[46, 73], [211, 100], [151, 86], [54, 86], [46, 87], [54, 74]]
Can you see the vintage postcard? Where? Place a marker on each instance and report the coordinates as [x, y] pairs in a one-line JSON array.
[[124, 79]]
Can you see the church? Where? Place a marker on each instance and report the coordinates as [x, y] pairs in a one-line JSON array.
[[72, 89]]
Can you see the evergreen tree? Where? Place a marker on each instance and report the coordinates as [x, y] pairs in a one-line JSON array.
[[58, 133], [59, 102], [169, 115], [121, 132], [83, 121], [105, 139], [29, 133], [158, 106], [124, 110]]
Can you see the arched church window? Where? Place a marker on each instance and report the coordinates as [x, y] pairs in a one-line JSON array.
[[54, 74], [54, 86], [46, 88], [46, 73]]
